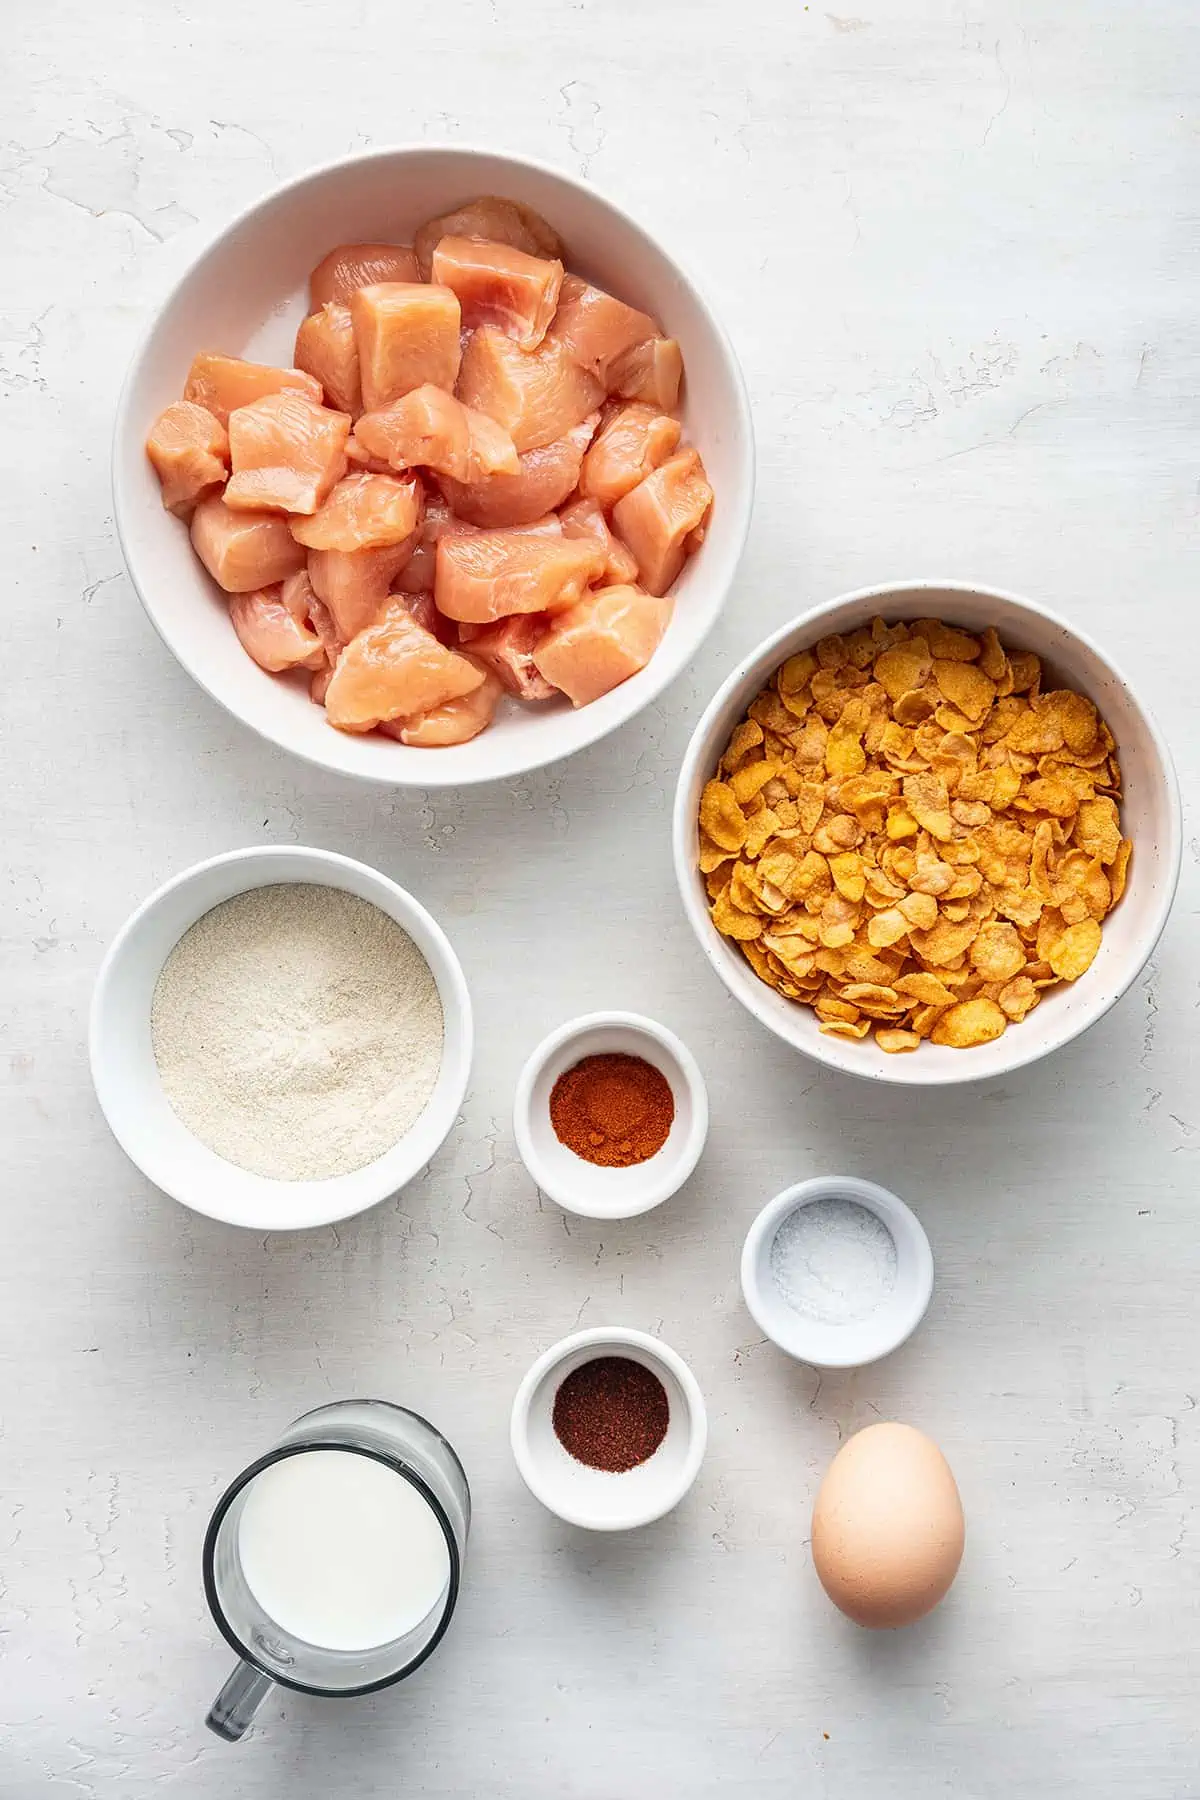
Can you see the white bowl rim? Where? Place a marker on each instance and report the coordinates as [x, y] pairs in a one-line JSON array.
[[610, 1337], [450, 968], [884, 1068], [875, 1198], [665, 674], [681, 1167]]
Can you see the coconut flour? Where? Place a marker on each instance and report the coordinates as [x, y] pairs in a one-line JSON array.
[[298, 1031]]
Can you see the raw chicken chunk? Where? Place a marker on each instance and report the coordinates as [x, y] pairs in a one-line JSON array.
[[243, 550], [299, 596], [493, 573], [189, 448], [417, 576], [407, 333], [353, 266], [537, 395], [656, 517], [363, 512], [395, 669], [497, 285], [585, 519], [223, 383], [651, 372], [596, 329], [629, 446], [507, 648], [354, 584], [286, 453], [543, 480], [493, 219], [454, 722], [326, 350], [274, 629], [429, 428], [601, 641]]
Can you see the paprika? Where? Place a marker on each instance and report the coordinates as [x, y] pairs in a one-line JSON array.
[[613, 1110]]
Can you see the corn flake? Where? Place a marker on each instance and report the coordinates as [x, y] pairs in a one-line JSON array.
[[908, 836]]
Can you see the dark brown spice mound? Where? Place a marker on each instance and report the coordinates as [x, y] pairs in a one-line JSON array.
[[613, 1110], [611, 1413]]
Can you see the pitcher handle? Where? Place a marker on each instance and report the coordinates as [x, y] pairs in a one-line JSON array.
[[234, 1708]]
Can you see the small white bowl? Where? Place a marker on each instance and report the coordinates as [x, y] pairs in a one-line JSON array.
[[858, 1341], [596, 1498], [1150, 811], [579, 1186], [126, 1075], [247, 292]]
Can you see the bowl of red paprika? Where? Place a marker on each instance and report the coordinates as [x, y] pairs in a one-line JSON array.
[[610, 1115]]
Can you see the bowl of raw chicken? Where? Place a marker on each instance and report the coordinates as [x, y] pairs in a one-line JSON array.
[[433, 468]]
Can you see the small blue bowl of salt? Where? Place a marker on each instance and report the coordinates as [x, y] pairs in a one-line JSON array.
[[837, 1271]]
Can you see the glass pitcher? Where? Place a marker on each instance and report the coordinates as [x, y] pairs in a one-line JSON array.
[[263, 1574]]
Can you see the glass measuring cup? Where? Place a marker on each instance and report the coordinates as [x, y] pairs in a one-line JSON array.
[[287, 1488]]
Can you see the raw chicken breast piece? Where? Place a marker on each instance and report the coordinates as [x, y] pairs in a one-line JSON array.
[[494, 573], [629, 446], [326, 350], [507, 650], [407, 333], [601, 641], [496, 221], [243, 550], [597, 329], [497, 285], [286, 452], [299, 596], [537, 395], [363, 512], [585, 519], [274, 629], [454, 722], [395, 669], [656, 517], [651, 372], [417, 575], [428, 428], [421, 608], [223, 383], [543, 480], [354, 584], [189, 448], [354, 266]]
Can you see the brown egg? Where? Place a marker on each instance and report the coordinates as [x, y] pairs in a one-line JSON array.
[[887, 1527]]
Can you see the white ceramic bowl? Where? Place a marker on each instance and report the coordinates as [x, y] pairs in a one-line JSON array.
[[126, 1076], [596, 1498], [579, 1186], [246, 294], [1150, 810], [850, 1344]]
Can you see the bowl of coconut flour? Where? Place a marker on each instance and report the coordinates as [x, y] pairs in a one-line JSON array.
[[280, 1037]]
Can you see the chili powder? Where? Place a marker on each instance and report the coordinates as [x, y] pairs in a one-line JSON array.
[[611, 1413], [613, 1110]]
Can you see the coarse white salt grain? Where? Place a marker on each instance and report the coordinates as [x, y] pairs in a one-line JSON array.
[[833, 1261]]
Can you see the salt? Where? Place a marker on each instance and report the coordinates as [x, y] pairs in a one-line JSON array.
[[834, 1261]]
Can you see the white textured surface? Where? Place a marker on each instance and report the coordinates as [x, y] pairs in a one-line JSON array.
[[950, 239]]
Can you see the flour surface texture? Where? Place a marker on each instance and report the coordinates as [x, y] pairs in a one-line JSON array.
[[298, 1031]]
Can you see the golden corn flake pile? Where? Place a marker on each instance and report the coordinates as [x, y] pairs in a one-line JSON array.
[[907, 833]]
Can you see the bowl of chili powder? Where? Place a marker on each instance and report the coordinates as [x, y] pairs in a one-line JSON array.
[[610, 1115], [609, 1428]]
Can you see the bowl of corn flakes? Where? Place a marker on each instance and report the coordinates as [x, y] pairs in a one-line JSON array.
[[927, 833]]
